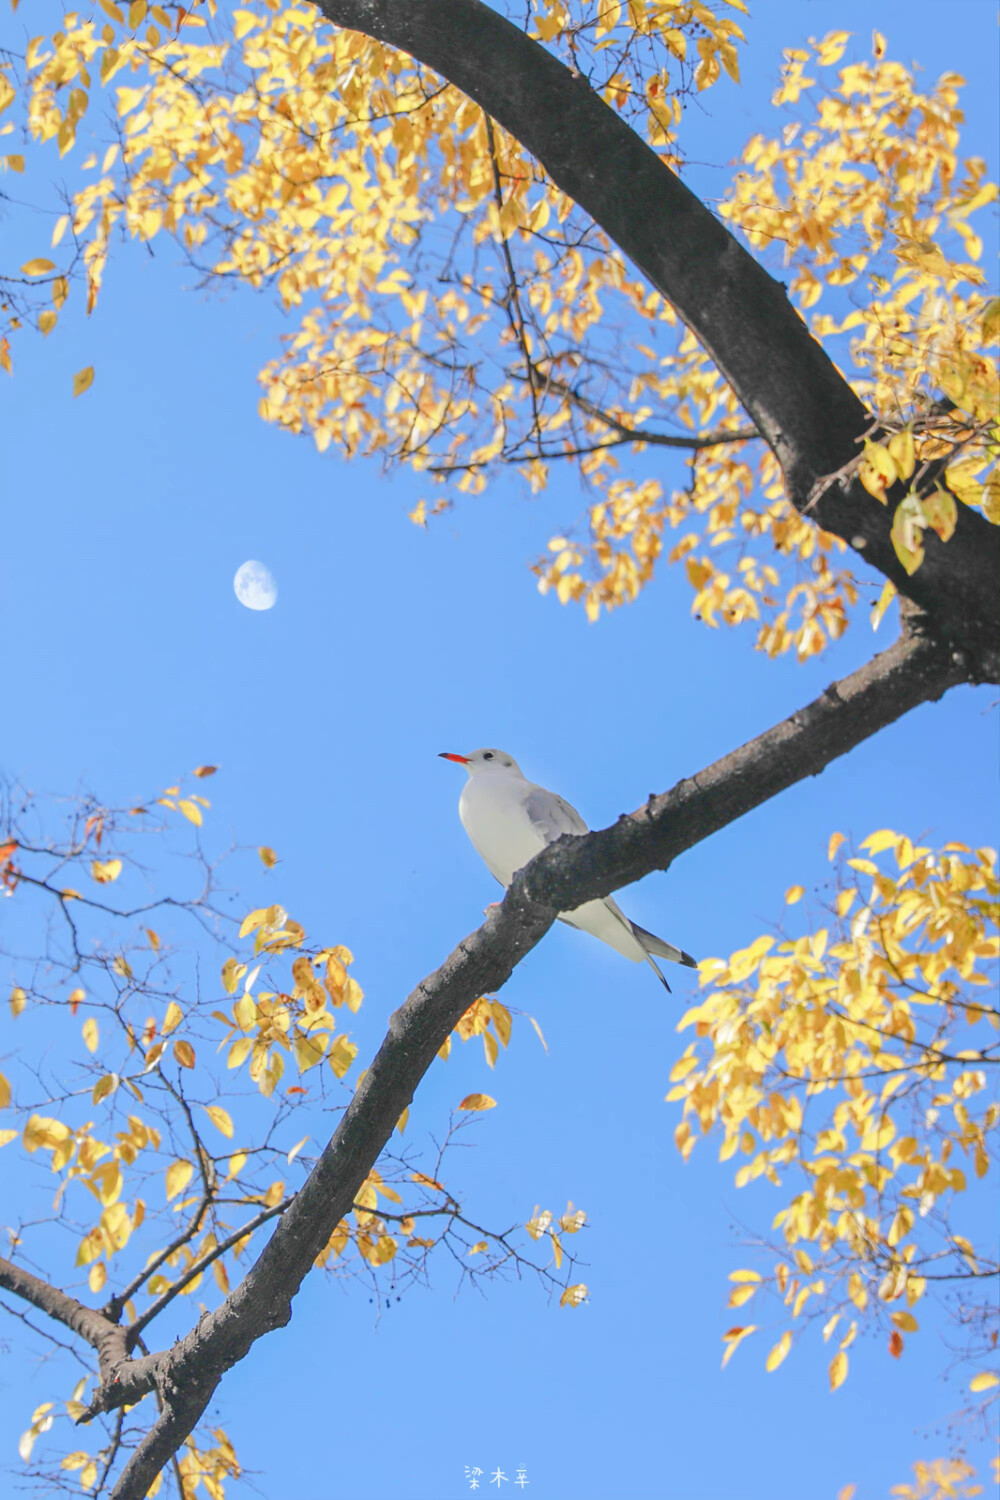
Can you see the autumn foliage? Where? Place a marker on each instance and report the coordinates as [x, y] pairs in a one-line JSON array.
[[452, 310]]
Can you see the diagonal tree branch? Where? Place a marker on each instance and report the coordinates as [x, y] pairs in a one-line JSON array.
[[914, 670], [789, 386], [94, 1328]]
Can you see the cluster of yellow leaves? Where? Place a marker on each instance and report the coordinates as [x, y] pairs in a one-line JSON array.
[[322, 164], [197, 1465], [317, 162], [940, 1479], [369, 1233], [871, 188], [544, 1223], [874, 188], [208, 1467], [100, 1167], [486, 1018], [852, 1062], [639, 46], [301, 1022]]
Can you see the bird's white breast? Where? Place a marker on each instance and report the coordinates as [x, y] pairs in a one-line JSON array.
[[493, 814]]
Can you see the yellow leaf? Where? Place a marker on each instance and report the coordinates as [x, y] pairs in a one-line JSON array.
[[47, 320], [232, 973], [18, 1000], [906, 534], [239, 1051], [179, 1174], [83, 380], [253, 920], [341, 1055], [6, 1136], [836, 839], [184, 1053], [940, 513], [268, 856], [906, 1321], [875, 843], [90, 1034], [37, 267], [205, 770], [309, 1050], [105, 870], [793, 894], [479, 1247], [4, 1092], [538, 1032], [172, 1019], [885, 598], [117, 1225], [478, 1101], [780, 1350], [984, 1381], [732, 1339], [838, 1370], [103, 1087], [991, 321], [903, 453], [191, 811], [877, 471], [220, 1119], [574, 1296]]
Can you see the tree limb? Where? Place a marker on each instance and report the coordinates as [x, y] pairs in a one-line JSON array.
[[789, 386], [914, 670]]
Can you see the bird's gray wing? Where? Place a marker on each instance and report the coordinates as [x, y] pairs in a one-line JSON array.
[[551, 816]]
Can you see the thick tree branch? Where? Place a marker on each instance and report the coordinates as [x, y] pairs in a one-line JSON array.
[[791, 389], [574, 870], [94, 1328]]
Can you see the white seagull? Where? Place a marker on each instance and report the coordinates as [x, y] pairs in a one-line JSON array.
[[509, 819]]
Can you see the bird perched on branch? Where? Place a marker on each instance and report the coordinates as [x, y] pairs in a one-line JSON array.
[[509, 819]]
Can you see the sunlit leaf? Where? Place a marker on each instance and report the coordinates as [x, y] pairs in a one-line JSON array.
[[179, 1174], [221, 1119]]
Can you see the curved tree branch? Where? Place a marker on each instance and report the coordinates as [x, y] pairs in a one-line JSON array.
[[789, 386], [914, 670]]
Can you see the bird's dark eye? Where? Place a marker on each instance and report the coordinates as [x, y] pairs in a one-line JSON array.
[[488, 755]]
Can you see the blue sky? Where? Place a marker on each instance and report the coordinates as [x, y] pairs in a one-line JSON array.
[[129, 661]]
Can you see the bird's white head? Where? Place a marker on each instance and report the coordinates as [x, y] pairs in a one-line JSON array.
[[485, 760]]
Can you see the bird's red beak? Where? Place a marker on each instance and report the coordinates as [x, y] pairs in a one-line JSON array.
[[463, 760]]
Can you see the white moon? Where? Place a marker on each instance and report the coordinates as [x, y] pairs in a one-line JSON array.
[[255, 586]]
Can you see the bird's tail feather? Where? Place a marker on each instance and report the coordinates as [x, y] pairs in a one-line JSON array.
[[658, 972], [653, 944]]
